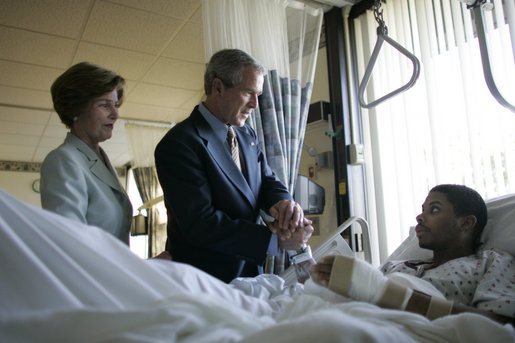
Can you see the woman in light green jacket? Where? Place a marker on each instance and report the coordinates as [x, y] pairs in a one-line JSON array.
[[77, 179]]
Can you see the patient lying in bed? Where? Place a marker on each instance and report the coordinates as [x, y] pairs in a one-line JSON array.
[[69, 282], [473, 280]]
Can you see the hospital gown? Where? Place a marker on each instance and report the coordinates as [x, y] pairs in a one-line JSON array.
[[485, 280]]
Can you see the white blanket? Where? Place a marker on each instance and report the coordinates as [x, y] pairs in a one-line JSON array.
[[62, 281]]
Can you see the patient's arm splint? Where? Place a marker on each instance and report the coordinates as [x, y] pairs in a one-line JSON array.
[[359, 280]]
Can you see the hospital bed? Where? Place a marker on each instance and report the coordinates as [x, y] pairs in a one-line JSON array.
[[63, 281]]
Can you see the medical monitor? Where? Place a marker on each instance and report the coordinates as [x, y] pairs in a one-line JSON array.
[[309, 195]]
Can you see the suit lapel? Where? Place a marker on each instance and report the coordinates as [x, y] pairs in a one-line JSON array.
[[222, 157]]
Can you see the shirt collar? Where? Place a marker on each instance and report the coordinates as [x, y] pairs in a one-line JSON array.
[[219, 128]]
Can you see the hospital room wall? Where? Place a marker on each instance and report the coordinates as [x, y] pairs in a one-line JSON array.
[[19, 185], [315, 137]]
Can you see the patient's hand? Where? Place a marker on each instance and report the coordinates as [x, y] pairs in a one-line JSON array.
[[321, 271]]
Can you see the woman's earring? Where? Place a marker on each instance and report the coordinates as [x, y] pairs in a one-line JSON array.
[[75, 118]]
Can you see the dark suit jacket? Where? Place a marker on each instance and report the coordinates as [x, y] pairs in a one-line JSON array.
[[212, 208]]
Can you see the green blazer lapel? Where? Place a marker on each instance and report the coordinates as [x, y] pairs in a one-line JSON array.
[[106, 174]]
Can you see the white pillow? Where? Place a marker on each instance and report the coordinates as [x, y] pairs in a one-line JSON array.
[[498, 233], [409, 249]]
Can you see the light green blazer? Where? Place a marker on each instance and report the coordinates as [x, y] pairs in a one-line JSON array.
[[76, 184]]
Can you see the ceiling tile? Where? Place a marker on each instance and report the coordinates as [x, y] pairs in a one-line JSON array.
[[174, 73], [197, 16], [18, 139], [21, 128], [187, 44], [129, 87], [50, 142], [177, 8], [193, 101], [155, 45], [25, 97], [27, 76], [54, 131], [129, 64], [13, 152], [54, 119], [22, 115], [59, 17], [176, 116], [41, 153], [117, 26], [149, 112], [159, 95], [163, 115], [35, 48]]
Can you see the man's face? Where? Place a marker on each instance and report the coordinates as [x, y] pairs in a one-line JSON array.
[[438, 226], [238, 102]]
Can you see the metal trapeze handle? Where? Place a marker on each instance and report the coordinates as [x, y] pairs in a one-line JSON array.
[[381, 37], [485, 59]]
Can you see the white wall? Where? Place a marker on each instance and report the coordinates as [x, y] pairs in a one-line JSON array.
[[19, 185], [321, 82]]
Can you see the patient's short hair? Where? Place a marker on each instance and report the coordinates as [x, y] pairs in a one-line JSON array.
[[227, 65], [78, 85], [466, 201]]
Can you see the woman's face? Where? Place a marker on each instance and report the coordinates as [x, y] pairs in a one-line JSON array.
[[437, 226], [95, 124]]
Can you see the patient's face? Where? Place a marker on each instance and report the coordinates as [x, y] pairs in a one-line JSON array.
[[437, 225]]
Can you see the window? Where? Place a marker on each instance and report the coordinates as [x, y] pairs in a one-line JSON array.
[[447, 128], [138, 244]]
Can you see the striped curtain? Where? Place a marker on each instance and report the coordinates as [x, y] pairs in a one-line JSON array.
[[447, 128]]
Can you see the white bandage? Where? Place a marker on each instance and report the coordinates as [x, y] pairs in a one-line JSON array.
[[438, 308], [394, 296], [356, 279], [359, 280]]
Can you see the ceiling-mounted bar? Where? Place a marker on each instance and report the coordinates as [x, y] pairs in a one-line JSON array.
[[477, 9], [382, 36]]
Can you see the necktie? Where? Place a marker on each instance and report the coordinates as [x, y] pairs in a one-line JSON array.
[[233, 146]]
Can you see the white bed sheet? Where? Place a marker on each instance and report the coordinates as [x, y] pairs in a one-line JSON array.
[[67, 282]]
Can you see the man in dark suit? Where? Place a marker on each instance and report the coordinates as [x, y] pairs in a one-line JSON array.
[[213, 200]]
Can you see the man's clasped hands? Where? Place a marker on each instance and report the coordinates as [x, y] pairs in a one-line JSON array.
[[290, 225]]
